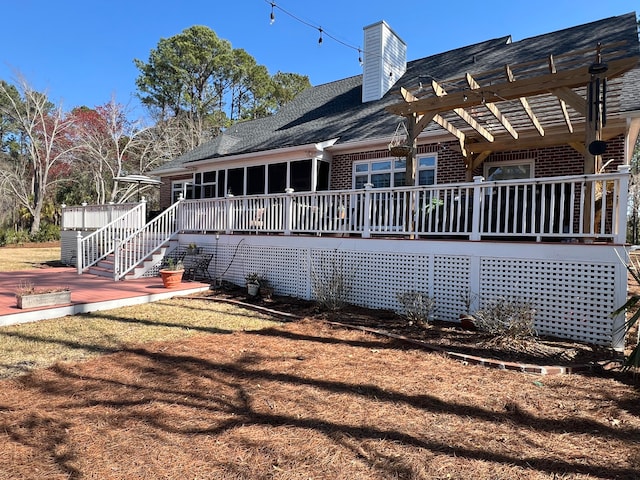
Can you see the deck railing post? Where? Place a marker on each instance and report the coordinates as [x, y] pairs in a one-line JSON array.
[[79, 252], [477, 208], [116, 259], [84, 215], [143, 212], [623, 201], [110, 212], [288, 206], [366, 226], [229, 205]]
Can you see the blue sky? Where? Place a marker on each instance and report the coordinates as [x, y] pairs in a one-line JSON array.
[[81, 52]]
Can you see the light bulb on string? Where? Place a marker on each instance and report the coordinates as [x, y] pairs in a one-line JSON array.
[[320, 38], [360, 56], [272, 17]]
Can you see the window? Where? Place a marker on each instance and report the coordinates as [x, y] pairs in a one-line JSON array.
[[255, 180], [277, 178], [261, 179], [392, 173], [300, 175], [183, 188], [235, 181], [208, 185], [508, 170]]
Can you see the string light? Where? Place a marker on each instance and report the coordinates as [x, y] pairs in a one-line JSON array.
[[323, 33]]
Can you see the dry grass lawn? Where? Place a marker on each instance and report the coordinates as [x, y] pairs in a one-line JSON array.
[[27, 257], [148, 394]]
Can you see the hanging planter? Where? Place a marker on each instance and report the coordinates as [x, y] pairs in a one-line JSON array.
[[399, 145]]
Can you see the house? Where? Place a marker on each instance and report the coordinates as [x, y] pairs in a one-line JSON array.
[[495, 169]]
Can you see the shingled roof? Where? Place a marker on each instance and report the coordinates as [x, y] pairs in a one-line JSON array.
[[335, 110]]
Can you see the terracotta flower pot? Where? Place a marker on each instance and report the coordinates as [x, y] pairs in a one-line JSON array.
[[467, 322], [171, 278]]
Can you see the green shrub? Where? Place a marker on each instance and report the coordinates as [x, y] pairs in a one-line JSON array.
[[10, 236], [48, 233]]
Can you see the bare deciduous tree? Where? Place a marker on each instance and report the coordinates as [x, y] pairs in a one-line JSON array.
[[45, 147]]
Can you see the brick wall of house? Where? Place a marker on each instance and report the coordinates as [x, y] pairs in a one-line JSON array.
[[549, 161]]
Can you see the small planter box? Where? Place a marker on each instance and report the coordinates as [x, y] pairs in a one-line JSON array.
[[34, 300]]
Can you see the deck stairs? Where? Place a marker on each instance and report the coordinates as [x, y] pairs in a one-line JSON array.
[[128, 253], [106, 266]]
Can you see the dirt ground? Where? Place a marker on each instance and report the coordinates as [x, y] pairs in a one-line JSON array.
[[445, 336], [309, 400]]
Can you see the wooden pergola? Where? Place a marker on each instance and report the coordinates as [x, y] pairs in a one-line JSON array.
[[544, 102]]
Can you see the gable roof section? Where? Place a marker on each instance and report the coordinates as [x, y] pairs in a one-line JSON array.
[[335, 110]]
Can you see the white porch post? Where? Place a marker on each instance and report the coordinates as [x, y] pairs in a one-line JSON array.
[[623, 202], [229, 201], [116, 259], [79, 253], [288, 206], [143, 212], [84, 215], [477, 208], [110, 212], [366, 227]]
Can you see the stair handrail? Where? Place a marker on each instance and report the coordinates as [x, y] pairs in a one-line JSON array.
[[101, 243], [142, 243]]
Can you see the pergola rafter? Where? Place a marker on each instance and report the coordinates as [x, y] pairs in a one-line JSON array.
[[540, 103]]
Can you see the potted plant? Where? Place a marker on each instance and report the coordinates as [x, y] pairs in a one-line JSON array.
[[172, 273], [253, 284], [192, 249], [29, 296]]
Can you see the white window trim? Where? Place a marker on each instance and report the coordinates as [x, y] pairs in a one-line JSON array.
[[392, 171], [183, 187]]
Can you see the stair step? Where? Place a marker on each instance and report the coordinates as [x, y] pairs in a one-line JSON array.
[[99, 271]]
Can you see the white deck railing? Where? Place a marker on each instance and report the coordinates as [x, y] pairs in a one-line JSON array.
[[569, 208], [101, 243], [93, 217], [139, 245]]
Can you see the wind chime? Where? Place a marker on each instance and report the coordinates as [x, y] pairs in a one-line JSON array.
[[597, 103]]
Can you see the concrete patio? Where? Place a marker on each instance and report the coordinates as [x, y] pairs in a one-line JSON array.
[[89, 293]]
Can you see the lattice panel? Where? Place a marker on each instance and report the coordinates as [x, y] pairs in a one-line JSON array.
[[451, 281], [572, 300], [282, 267], [374, 278]]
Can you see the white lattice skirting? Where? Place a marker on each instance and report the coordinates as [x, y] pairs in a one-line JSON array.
[[573, 287]]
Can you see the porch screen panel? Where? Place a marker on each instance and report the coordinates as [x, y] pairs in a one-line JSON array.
[[235, 182], [255, 180], [301, 176], [323, 176], [277, 178], [222, 175]]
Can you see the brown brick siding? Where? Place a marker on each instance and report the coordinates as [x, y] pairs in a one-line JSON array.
[[550, 161]]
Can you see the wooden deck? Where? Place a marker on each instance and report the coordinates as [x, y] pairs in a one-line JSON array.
[[88, 293]]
